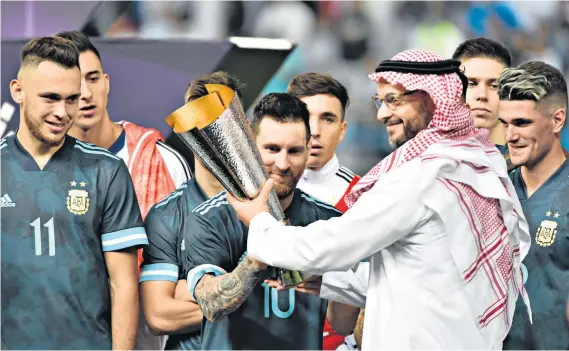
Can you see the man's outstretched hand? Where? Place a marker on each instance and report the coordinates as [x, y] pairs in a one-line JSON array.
[[248, 209], [310, 286]]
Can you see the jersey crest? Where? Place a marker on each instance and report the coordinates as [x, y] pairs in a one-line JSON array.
[[547, 230], [78, 198], [546, 233]]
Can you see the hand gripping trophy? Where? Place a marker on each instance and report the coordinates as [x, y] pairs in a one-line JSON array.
[[216, 129]]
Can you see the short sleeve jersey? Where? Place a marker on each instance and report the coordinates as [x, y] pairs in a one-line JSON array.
[[546, 267], [57, 223], [166, 249], [216, 242]]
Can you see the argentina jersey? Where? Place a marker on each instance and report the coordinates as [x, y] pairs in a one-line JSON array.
[[216, 242], [546, 267], [57, 226], [163, 258]]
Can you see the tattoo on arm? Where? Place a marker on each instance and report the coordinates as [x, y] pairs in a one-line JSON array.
[[220, 296]]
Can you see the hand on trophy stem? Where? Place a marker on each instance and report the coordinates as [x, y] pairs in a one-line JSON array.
[[309, 286], [248, 209]]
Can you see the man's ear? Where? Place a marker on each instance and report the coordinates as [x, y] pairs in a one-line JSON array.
[[16, 91], [558, 119], [107, 82], [344, 127]]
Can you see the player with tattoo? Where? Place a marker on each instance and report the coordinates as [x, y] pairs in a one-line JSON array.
[[241, 310]]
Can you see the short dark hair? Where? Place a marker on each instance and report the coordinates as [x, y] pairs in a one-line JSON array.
[[54, 49], [310, 84], [283, 108], [196, 88], [483, 48], [81, 41], [536, 81]]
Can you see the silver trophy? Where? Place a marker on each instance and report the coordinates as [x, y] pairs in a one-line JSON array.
[[216, 129]]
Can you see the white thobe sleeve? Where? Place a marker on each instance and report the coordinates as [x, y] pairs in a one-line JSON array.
[[381, 216], [347, 287]]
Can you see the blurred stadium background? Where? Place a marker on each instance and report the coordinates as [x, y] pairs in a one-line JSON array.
[[346, 39]]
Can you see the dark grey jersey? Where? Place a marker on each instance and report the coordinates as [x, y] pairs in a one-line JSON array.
[[57, 223], [216, 241]]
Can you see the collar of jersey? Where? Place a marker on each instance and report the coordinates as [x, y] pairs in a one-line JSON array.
[[549, 186], [58, 159], [329, 170], [118, 144]]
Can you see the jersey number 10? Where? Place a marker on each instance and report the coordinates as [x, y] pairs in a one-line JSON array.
[[274, 297], [50, 234]]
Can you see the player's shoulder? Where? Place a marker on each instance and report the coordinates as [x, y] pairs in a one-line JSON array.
[[321, 209], [87, 151], [345, 174], [4, 143], [214, 207], [173, 201], [173, 159]]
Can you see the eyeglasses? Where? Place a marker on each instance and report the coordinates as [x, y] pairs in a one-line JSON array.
[[392, 100]]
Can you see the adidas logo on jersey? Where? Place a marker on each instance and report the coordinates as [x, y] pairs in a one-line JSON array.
[[5, 201]]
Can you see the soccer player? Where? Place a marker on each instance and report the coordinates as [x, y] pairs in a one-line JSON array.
[[424, 215], [151, 162], [168, 306], [483, 60], [533, 110], [327, 100], [156, 169], [242, 311], [70, 219], [324, 177]]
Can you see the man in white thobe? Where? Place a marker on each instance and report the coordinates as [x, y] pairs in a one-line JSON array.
[[444, 236]]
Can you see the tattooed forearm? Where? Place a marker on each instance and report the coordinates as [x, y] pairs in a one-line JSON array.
[[220, 296]]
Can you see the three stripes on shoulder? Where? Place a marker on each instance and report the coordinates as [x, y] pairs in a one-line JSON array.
[[215, 201], [92, 149], [345, 174]]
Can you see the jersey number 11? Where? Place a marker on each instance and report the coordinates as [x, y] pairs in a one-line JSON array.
[[50, 234]]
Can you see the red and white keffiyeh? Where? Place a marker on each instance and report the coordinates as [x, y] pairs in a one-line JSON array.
[[451, 119], [498, 257]]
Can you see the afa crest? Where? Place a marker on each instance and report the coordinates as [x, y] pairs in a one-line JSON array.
[[546, 233], [78, 200]]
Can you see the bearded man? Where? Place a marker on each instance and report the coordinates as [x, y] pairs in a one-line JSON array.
[[438, 219]]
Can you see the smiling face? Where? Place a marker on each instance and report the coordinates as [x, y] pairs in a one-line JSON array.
[[530, 133], [482, 93], [48, 96], [403, 115], [284, 151]]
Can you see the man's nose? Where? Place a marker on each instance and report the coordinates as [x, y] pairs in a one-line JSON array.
[[314, 127], [282, 161], [511, 134], [60, 110], [86, 92], [383, 113], [481, 93]]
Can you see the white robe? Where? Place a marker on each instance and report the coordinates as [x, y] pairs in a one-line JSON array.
[[419, 243]]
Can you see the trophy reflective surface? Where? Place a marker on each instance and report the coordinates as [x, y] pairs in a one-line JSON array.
[[217, 131]]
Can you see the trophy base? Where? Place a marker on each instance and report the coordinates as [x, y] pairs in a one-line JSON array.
[[290, 278]]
